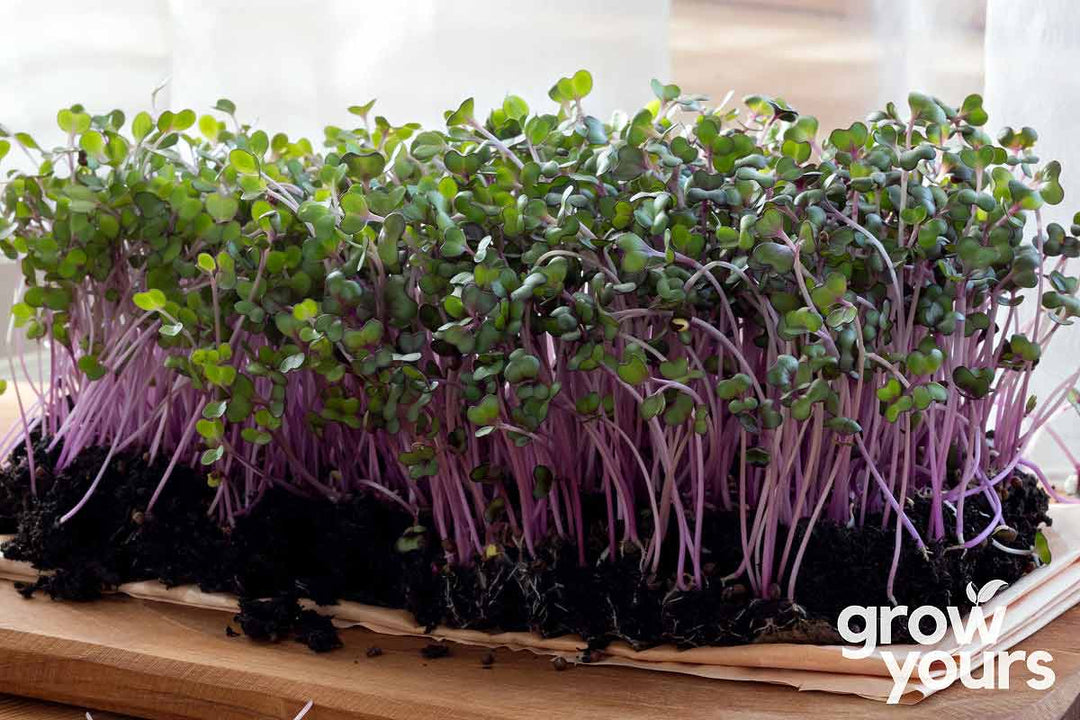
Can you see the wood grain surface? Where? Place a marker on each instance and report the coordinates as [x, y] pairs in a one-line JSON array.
[[169, 662], [16, 708]]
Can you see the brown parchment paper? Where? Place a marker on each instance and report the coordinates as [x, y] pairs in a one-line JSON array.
[[1031, 603]]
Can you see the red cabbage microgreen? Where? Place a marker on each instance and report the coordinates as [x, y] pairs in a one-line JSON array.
[[682, 310]]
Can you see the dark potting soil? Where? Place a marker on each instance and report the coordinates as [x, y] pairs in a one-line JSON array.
[[280, 617], [317, 631], [434, 651], [290, 547], [271, 619]]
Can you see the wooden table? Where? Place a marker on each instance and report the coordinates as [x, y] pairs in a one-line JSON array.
[[176, 663], [17, 708]]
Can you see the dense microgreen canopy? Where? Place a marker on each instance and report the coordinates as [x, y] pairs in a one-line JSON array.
[[683, 309]]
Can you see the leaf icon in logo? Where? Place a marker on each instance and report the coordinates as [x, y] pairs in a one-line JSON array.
[[972, 596], [989, 590]]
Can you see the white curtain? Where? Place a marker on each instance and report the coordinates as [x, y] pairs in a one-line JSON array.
[[1032, 56], [932, 46], [418, 57], [297, 66]]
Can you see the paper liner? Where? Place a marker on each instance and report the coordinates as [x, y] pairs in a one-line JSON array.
[[1031, 602]]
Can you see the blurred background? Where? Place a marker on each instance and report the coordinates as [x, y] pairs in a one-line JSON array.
[[296, 66]]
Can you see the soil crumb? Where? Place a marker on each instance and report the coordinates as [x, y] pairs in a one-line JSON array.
[[317, 632], [434, 651]]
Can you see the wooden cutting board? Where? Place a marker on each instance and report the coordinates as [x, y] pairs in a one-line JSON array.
[[16, 708], [169, 662]]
